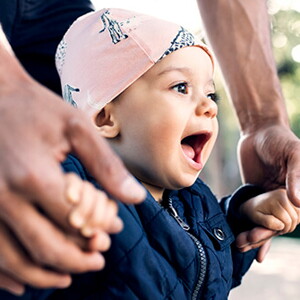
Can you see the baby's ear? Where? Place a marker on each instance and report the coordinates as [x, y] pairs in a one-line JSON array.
[[106, 122]]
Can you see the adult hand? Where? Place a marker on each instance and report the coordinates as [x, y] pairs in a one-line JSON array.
[[257, 237], [270, 156], [38, 130], [269, 151]]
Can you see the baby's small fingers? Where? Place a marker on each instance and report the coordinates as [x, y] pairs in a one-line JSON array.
[[289, 217], [288, 213], [111, 223], [270, 222], [104, 216], [294, 216], [100, 211], [99, 242], [81, 213], [73, 188]]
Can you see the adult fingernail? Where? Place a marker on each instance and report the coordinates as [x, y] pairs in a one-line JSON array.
[[16, 289], [133, 189], [64, 282]]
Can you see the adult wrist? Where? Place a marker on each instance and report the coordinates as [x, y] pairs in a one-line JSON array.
[[258, 106]]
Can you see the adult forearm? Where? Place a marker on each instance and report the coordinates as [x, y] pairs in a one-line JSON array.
[[239, 33]]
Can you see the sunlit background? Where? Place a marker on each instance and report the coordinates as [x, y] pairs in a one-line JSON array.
[[279, 276], [186, 13]]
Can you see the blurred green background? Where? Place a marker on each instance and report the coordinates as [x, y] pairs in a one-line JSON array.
[[222, 171]]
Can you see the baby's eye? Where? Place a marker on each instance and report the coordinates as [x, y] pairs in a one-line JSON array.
[[181, 88], [214, 97]]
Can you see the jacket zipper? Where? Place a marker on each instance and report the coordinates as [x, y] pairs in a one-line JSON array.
[[201, 253]]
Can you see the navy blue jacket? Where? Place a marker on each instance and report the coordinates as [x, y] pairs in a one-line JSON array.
[[34, 29], [179, 249]]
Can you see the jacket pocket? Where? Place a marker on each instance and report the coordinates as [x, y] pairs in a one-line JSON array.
[[219, 232]]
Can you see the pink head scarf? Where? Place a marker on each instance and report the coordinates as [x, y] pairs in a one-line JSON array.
[[104, 52]]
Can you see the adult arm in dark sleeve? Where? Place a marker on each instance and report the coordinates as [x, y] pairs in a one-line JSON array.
[[35, 28]]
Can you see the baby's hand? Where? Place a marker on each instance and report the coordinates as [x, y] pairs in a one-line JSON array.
[[272, 210], [93, 213]]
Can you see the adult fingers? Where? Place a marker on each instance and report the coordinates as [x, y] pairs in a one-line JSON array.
[[249, 247], [263, 246], [254, 236], [263, 250], [102, 162], [11, 285], [52, 191], [293, 177], [19, 268], [36, 233]]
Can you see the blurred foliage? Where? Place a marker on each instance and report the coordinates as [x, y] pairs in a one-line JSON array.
[[286, 36]]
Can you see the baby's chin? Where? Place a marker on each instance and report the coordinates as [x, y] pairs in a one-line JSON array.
[[184, 182], [173, 183]]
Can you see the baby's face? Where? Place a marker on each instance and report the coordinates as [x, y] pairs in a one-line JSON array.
[[167, 118]]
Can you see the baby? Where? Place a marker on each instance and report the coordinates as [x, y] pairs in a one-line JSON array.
[[148, 87]]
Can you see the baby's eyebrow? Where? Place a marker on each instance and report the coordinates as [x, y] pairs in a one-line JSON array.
[[211, 84], [175, 69]]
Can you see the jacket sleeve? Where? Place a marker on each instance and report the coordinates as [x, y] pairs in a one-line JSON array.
[[230, 205]]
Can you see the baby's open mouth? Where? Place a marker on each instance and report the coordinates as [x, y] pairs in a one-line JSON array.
[[192, 145]]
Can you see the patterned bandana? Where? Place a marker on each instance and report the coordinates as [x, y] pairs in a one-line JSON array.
[[104, 52]]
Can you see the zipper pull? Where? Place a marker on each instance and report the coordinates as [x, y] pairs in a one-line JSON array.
[[174, 213]]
